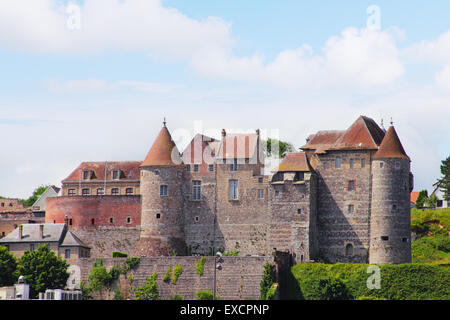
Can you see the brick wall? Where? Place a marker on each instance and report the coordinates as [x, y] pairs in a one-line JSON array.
[[100, 208]]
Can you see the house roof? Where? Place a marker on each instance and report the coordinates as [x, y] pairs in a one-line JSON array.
[[238, 146], [391, 147], [364, 134], [200, 149], [163, 152], [53, 232], [413, 196], [129, 170], [294, 161]]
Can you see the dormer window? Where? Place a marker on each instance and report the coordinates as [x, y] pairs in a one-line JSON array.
[[87, 174], [116, 175]]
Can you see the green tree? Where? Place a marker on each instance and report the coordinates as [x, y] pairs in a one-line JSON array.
[[43, 270], [445, 179], [267, 280], [431, 201], [148, 290], [8, 267], [36, 193], [99, 279], [270, 145], [423, 195]]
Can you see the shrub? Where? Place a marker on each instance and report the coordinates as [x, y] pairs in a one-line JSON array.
[[132, 262], [204, 295], [149, 290], [177, 271], [168, 275], [398, 282], [115, 271], [118, 254], [268, 278], [8, 266], [270, 295], [200, 266], [176, 297], [231, 253], [118, 294]]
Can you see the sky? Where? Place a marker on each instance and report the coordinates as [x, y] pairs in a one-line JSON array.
[[93, 80]]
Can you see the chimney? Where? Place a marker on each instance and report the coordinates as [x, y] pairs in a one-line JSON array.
[[257, 132], [20, 232], [224, 133], [66, 220], [41, 231]]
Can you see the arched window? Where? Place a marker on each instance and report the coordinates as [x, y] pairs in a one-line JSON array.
[[349, 250]]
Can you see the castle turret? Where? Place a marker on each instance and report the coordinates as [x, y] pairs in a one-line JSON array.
[[390, 235], [162, 218]]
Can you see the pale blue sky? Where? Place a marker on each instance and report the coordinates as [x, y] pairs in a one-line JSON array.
[[100, 93]]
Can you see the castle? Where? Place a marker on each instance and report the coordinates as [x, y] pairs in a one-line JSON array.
[[343, 198]]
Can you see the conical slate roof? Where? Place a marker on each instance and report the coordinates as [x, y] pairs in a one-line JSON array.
[[163, 152], [391, 147]]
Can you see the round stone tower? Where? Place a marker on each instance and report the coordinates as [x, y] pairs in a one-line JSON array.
[[390, 233], [162, 217]]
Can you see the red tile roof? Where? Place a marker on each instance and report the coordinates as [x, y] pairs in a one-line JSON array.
[[294, 161], [391, 147], [163, 152], [364, 133], [130, 170], [414, 195]]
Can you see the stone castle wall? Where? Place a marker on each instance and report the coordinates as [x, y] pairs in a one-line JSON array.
[[239, 279]]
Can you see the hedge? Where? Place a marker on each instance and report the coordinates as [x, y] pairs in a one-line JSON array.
[[398, 282]]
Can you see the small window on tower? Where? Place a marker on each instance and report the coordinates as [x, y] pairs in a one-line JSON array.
[[111, 220], [92, 221], [196, 219], [163, 191], [397, 165], [404, 239], [299, 211], [158, 216], [128, 220], [381, 164], [394, 208], [384, 238]]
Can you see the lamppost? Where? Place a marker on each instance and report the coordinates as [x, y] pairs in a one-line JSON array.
[[217, 266]]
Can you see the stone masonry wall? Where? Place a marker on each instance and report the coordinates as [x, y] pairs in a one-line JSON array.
[[239, 279]]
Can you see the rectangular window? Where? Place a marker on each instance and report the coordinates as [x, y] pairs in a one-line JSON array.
[[188, 168], [163, 191], [86, 192], [338, 162], [67, 254], [72, 192], [116, 175], [92, 221], [86, 175], [384, 238], [128, 220], [195, 167], [111, 220], [70, 222], [100, 192], [397, 165], [352, 163], [211, 168], [351, 208], [394, 208], [31, 247], [260, 193], [233, 166], [277, 193], [129, 191], [233, 189], [196, 190], [325, 165], [363, 163], [351, 185], [115, 191], [260, 180], [299, 211]]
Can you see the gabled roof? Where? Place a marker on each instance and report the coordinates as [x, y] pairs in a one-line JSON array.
[[391, 147], [238, 146], [200, 149], [364, 134], [163, 152], [294, 161], [129, 170], [30, 233], [71, 240]]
